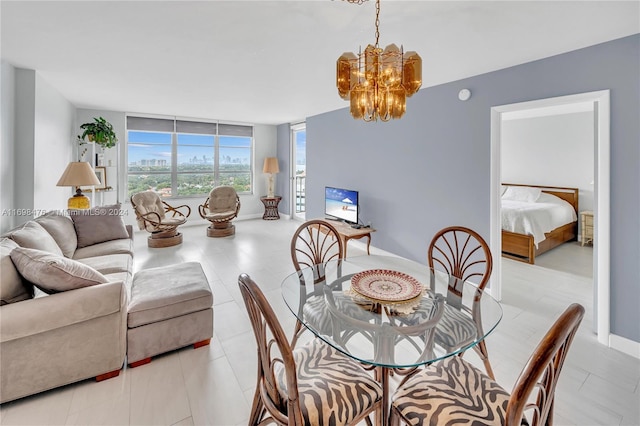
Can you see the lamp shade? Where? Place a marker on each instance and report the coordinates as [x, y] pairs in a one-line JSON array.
[[78, 173], [270, 165]]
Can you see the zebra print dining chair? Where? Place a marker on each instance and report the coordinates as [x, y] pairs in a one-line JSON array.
[[461, 253], [455, 392], [311, 385]]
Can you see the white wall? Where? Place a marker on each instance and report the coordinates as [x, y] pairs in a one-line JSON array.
[[553, 150], [114, 156], [7, 137], [23, 142], [37, 123], [53, 146]]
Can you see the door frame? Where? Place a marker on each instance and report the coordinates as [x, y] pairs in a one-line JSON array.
[[601, 245], [292, 129]]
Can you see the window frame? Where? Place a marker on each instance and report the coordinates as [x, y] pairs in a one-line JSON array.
[[174, 145]]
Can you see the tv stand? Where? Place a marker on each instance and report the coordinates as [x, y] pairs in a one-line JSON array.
[[346, 233]]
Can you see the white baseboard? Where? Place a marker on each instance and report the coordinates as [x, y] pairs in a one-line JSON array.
[[625, 345]]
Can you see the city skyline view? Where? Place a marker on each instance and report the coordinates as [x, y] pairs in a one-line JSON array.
[[148, 147]]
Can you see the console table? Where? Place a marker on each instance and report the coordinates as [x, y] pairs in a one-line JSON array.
[[271, 207], [346, 233]]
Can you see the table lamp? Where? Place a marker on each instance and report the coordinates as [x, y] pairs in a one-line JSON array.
[[270, 167], [78, 173]]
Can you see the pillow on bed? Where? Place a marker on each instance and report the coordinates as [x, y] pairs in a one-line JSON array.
[[550, 198], [526, 194]]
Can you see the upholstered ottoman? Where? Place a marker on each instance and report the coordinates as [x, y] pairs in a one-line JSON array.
[[170, 307]]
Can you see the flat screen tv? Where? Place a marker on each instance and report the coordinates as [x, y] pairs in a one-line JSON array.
[[341, 204]]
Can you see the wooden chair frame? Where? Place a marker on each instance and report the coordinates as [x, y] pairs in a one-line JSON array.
[[164, 234], [463, 253], [313, 245], [534, 390], [539, 378], [219, 227], [269, 337]]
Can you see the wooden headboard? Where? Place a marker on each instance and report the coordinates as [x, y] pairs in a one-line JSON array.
[[570, 195]]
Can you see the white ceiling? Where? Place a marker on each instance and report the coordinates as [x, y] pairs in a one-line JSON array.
[[273, 62]]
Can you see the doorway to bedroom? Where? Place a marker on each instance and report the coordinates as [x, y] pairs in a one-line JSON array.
[[530, 146], [550, 147]]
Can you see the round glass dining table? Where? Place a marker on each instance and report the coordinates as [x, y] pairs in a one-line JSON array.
[[390, 313]]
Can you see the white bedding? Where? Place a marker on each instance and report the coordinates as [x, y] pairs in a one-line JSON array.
[[537, 218]]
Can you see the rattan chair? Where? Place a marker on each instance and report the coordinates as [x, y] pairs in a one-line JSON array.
[[311, 385], [159, 218], [461, 253], [455, 392], [220, 208], [314, 244]]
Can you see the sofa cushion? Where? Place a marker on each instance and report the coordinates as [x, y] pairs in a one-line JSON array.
[[110, 263], [32, 235], [122, 246], [52, 273], [98, 225], [12, 287], [60, 227]]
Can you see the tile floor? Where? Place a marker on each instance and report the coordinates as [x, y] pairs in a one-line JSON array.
[[214, 385]]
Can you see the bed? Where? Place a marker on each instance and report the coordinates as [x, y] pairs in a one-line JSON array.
[[534, 224]]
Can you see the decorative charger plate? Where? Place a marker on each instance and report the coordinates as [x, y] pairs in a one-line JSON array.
[[386, 285]]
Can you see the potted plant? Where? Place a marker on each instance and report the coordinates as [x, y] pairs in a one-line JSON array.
[[99, 131]]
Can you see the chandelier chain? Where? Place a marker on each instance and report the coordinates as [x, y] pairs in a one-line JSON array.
[[377, 22]]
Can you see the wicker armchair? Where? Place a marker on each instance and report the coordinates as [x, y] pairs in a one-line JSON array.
[[159, 218], [220, 208]]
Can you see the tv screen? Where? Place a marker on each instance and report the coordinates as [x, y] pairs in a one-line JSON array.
[[341, 204]]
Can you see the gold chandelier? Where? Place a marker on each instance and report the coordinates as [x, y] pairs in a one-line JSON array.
[[376, 81]]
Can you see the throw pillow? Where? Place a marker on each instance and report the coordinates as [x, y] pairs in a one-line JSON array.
[[52, 273], [12, 287], [522, 193], [33, 235], [60, 227], [99, 224]]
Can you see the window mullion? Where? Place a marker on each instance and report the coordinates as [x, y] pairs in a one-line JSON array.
[[216, 161], [174, 163]]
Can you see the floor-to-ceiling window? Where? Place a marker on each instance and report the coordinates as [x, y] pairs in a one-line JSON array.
[[299, 168], [182, 158]]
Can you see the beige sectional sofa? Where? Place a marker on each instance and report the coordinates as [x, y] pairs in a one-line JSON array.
[[79, 330]]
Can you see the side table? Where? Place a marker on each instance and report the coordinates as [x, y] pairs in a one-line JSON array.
[[586, 223], [271, 207]]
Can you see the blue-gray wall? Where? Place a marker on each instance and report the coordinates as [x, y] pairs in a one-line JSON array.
[[431, 169]]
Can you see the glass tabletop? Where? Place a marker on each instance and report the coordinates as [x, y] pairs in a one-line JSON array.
[[388, 311]]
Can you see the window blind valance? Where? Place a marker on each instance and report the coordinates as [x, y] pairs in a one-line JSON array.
[[187, 126]]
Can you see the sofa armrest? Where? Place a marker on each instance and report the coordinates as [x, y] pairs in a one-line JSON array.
[[129, 231], [55, 311]]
